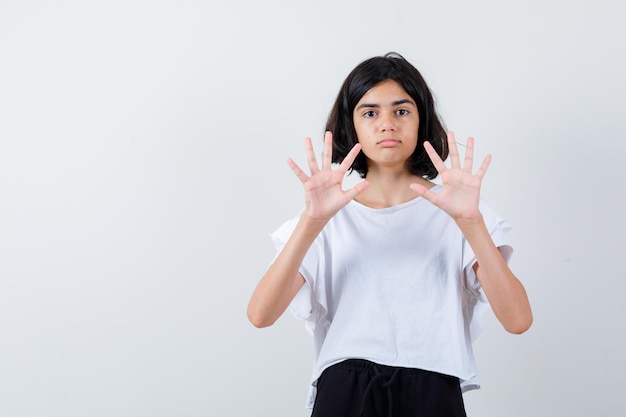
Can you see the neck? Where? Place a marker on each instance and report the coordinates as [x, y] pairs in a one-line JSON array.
[[389, 189]]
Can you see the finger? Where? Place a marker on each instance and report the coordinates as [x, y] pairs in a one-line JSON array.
[[483, 167], [357, 189], [435, 158], [469, 155], [296, 169], [349, 159], [423, 192], [455, 162], [310, 156], [327, 154]]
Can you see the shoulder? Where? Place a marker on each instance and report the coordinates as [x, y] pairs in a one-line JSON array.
[[284, 231], [491, 217]]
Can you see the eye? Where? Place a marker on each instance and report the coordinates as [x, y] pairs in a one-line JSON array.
[[369, 113], [402, 112]]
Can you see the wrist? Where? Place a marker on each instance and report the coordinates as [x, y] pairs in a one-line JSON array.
[[311, 221], [469, 224]]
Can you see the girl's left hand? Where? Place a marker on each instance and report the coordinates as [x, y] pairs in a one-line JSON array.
[[460, 192]]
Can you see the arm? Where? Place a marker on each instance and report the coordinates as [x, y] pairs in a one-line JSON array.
[[324, 197], [505, 292], [459, 197]]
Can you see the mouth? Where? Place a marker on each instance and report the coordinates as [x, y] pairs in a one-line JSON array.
[[388, 142]]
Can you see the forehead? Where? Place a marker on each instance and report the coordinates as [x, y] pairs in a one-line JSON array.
[[385, 93]]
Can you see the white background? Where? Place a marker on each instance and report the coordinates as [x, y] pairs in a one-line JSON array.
[[142, 149]]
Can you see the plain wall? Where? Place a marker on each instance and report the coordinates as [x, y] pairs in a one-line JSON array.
[[142, 166]]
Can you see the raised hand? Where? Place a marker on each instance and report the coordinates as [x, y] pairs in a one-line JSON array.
[[460, 192], [323, 192]]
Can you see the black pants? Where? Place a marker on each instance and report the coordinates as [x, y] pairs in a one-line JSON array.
[[359, 388]]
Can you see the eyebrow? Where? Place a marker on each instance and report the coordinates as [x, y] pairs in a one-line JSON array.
[[395, 103]]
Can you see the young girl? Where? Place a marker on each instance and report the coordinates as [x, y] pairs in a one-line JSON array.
[[390, 275]]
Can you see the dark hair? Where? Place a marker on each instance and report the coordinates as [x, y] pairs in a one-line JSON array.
[[391, 66]]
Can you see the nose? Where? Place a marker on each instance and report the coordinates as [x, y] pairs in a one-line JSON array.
[[387, 122]]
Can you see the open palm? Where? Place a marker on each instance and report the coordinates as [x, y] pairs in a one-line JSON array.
[[323, 192], [460, 192]]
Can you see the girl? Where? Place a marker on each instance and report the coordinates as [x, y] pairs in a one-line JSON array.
[[390, 275]]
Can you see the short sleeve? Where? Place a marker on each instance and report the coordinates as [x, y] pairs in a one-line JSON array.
[[281, 235], [499, 231]]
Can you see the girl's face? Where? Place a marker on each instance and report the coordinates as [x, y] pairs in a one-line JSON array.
[[386, 123]]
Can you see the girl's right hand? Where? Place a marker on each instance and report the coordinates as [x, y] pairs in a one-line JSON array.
[[323, 192]]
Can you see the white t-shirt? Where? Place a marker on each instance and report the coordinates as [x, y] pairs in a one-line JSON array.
[[394, 286]]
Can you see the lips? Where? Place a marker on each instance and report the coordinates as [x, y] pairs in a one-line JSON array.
[[388, 142]]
